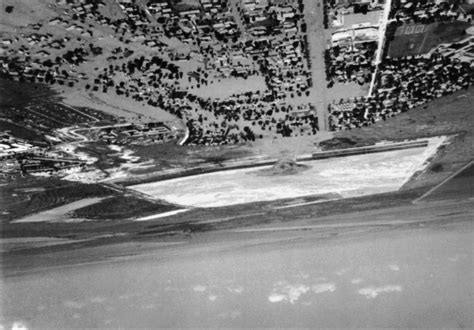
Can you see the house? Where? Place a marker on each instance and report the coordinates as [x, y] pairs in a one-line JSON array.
[[189, 13]]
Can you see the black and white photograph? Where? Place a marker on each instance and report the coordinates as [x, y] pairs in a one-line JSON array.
[[244, 164]]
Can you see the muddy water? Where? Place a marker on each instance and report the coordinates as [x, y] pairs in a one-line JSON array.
[[404, 278]]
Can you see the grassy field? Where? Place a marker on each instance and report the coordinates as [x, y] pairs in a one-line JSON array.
[[420, 43]]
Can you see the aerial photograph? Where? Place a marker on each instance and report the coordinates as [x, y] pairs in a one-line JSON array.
[[236, 164]]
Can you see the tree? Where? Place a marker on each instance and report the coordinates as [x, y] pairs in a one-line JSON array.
[[48, 63]]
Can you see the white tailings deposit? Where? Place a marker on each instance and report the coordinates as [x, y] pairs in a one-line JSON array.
[[349, 176], [161, 215]]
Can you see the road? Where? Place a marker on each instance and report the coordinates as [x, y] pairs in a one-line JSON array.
[[381, 43], [313, 11], [234, 7]]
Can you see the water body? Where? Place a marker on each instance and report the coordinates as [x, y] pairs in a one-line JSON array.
[[420, 277]]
